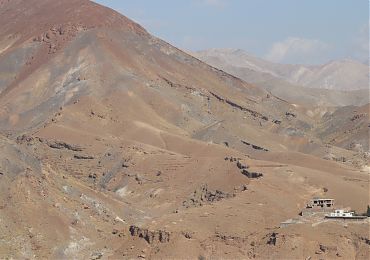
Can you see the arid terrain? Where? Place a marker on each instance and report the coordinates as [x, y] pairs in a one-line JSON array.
[[117, 145]]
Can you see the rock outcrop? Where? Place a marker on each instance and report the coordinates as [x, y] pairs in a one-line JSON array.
[[244, 170], [272, 239], [56, 36], [83, 157], [256, 147], [251, 174], [156, 236], [290, 115], [237, 106], [63, 145], [203, 195], [55, 144]]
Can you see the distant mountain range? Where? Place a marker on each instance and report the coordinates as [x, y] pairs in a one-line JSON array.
[[338, 83], [336, 75]]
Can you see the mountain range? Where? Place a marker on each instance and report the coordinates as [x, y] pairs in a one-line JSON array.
[[337, 83], [117, 145]]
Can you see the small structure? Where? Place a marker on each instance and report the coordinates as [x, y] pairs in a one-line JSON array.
[[342, 214], [320, 203]]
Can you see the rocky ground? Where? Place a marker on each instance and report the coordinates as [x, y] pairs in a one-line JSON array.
[[126, 147]]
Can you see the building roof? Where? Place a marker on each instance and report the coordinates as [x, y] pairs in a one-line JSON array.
[[321, 199]]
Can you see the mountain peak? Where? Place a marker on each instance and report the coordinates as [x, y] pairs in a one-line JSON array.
[[15, 16]]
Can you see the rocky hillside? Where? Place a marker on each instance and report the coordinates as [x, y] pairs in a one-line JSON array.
[[115, 144]]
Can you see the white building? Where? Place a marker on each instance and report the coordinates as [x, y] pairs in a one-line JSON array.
[[318, 203], [341, 213]]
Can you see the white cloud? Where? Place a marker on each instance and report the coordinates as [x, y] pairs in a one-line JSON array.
[[297, 50]]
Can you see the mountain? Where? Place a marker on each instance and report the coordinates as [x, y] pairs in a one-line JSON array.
[[337, 75], [115, 144], [338, 83]]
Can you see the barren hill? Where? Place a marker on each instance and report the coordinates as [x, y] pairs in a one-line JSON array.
[[115, 144]]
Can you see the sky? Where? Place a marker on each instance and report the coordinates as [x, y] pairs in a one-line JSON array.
[[284, 31]]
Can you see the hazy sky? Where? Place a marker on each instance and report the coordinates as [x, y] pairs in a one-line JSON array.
[[288, 31]]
